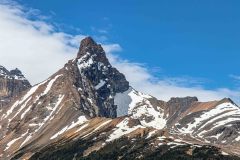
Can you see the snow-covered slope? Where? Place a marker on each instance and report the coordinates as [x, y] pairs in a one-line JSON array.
[[218, 125]]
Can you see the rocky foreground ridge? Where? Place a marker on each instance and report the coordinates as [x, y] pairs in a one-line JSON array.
[[88, 110]]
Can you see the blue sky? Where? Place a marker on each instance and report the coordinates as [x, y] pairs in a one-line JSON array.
[[189, 38], [191, 43]]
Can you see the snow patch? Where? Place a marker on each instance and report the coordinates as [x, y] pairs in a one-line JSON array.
[[26, 140], [175, 144], [238, 138], [11, 143], [85, 61], [150, 134], [146, 112], [49, 85], [83, 126], [19, 77], [60, 98], [23, 99], [81, 120], [100, 84], [137, 104], [103, 124], [122, 129]]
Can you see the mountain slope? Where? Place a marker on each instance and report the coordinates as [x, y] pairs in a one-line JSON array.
[[87, 110], [84, 88], [121, 138], [212, 122]]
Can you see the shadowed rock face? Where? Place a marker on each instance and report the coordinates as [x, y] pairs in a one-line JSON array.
[[177, 106], [73, 115], [107, 80], [12, 84]]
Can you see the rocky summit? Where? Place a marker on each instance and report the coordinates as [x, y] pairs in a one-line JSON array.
[[12, 84], [87, 110]]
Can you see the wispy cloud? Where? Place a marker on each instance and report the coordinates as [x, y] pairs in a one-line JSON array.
[[39, 49], [235, 77], [165, 88]]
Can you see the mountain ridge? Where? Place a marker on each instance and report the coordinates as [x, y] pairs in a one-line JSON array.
[[88, 107]]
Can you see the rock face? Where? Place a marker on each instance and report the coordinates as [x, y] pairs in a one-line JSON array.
[[12, 84], [95, 68], [87, 110]]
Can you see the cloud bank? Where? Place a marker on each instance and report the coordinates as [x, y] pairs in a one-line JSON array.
[[34, 46], [141, 79]]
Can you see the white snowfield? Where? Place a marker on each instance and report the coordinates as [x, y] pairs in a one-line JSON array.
[[137, 105], [128, 100], [148, 111]]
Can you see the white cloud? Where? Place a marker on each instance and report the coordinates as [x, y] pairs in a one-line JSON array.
[[140, 78], [38, 50], [33, 45]]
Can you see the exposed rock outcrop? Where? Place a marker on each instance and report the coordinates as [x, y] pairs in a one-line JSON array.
[[12, 84]]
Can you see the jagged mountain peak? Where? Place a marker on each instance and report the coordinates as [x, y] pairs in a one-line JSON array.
[[87, 42], [17, 74], [227, 100], [107, 80], [3, 71], [16, 71], [74, 113], [89, 47]]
